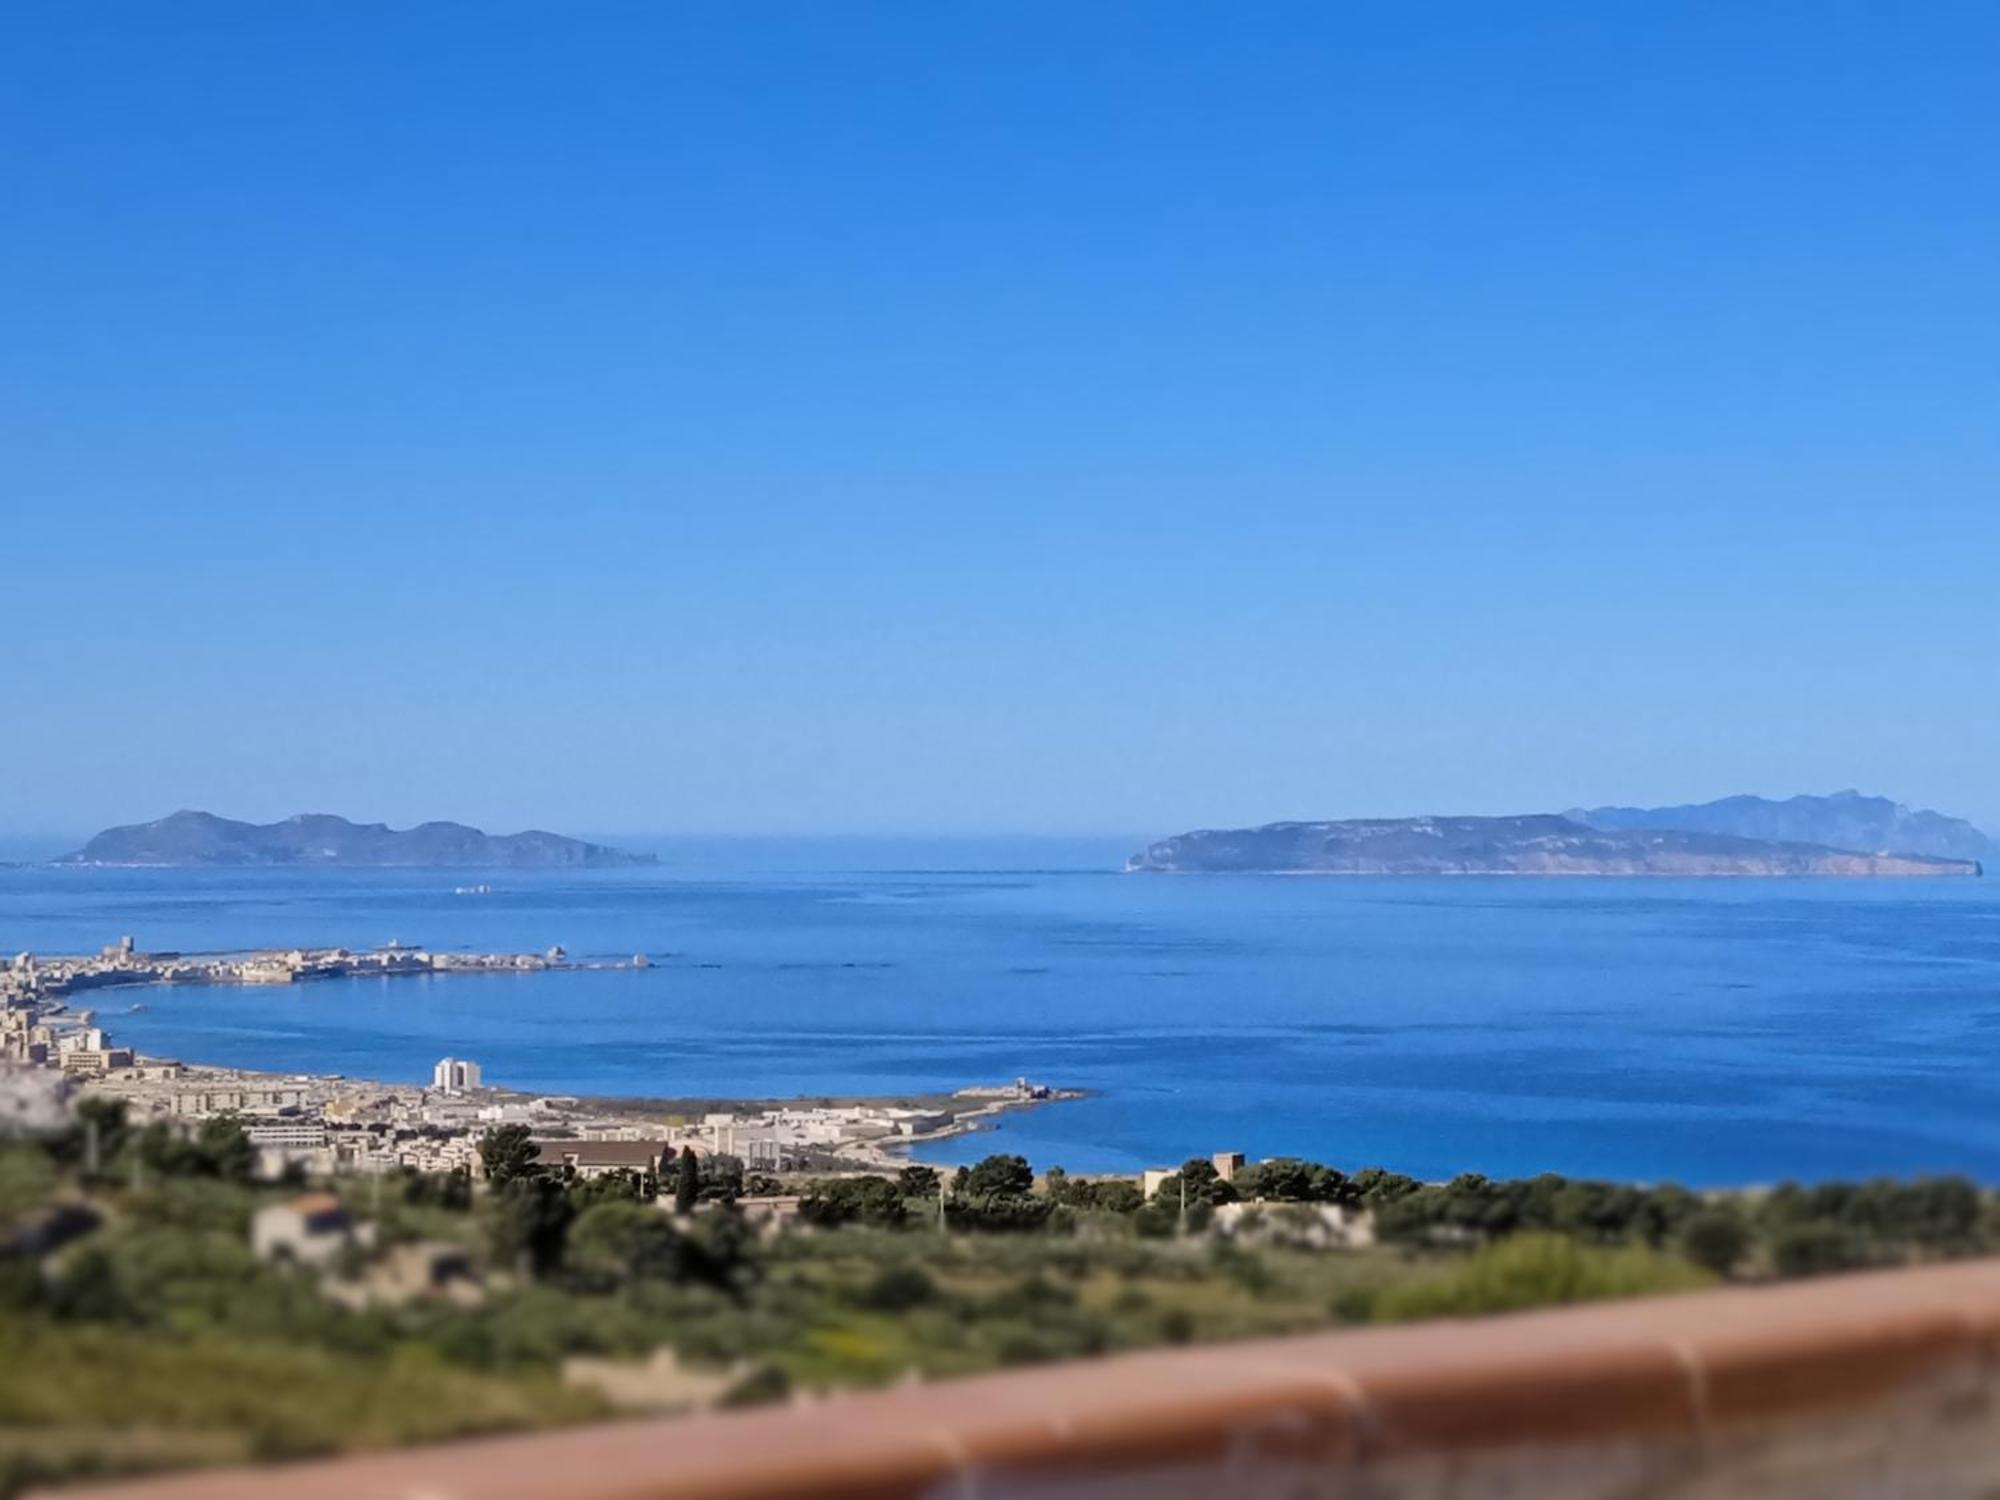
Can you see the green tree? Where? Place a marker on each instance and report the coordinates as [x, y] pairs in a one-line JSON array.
[[608, 1187], [454, 1191], [97, 1137], [918, 1182], [722, 1178], [620, 1240], [224, 1149], [687, 1182], [1375, 1186], [1113, 1195], [1287, 1179], [999, 1213], [1814, 1249], [27, 1181], [999, 1195], [1197, 1185], [724, 1252], [855, 1200], [508, 1152], [1715, 1239], [89, 1289], [531, 1219], [162, 1151], [1000, 1176]]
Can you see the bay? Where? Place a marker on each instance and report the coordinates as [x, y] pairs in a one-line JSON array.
[[1711, 1032]]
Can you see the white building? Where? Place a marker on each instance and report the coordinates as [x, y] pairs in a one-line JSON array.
[[454, 1076], [289, 1135]]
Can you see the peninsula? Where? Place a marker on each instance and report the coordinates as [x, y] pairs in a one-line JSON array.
[[1534, 844], [30, 976], [202, 840], [332, 1124]]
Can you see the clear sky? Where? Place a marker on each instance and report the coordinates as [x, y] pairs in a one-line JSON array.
[[1042, 417]]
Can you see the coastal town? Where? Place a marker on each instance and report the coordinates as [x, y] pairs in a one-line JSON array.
[[312, 1125]]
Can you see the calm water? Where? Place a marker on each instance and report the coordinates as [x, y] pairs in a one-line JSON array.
[[1723, 1031]]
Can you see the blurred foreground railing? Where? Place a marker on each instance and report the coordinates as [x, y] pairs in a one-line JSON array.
[[1876, 1385]]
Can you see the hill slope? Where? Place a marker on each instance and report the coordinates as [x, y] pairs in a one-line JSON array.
[[321, 839], [1845, 820]]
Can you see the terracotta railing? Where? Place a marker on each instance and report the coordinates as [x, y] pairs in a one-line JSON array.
[[1872, 1385]]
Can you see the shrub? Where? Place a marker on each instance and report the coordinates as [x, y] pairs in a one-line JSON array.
[[618, 1240], [897, 1289], [855, 1200], [1537, 1270], [1715, 1239], [1815, 1249]]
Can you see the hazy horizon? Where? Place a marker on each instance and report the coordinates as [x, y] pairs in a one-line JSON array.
[[641, 838]]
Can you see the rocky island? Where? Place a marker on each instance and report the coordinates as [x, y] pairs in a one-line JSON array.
[[1534, 844], [201, 839]]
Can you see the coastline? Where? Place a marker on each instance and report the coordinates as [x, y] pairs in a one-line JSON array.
[[339, 1122], [154, 1084], [966, 1120]]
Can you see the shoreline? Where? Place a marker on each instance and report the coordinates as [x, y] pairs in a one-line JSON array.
[[153, 1083], [122, 966]]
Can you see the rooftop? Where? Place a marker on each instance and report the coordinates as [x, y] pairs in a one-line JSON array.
[[602, 1153]]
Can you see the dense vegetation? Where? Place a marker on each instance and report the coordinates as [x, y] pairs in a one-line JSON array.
[[141, 1330]]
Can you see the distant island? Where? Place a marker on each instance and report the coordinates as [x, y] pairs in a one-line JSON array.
[[1845, 820], [322, 840], [1534, 844]]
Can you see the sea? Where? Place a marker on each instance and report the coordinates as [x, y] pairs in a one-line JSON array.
[[1728, 1031]]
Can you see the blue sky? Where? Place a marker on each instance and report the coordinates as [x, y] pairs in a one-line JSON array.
[[1112, 417]]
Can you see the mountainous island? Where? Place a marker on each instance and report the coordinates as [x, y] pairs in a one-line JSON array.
[[201, 839], [1845, 820], [1534, 844]]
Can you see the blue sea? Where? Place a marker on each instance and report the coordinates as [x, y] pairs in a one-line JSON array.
[[1712, 1032]]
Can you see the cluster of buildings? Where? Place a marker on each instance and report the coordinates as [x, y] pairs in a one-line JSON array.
[[798, 1137], [122, 963], [319, 1124], [37, 1034], [326, 1126]]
